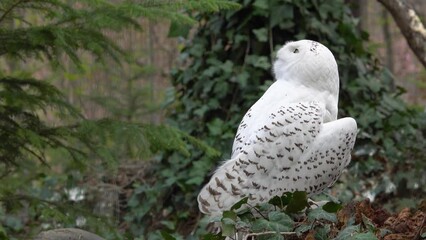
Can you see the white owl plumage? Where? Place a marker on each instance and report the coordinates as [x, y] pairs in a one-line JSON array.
[[290, 139]]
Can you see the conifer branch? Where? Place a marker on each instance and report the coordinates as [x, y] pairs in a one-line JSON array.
[[39, 157], [7, 11]]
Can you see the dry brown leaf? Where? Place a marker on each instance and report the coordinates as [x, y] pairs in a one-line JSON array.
[[405, 225], [310, 236]]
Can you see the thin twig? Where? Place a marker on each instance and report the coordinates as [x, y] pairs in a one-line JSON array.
[[256, 210], [40, 158]]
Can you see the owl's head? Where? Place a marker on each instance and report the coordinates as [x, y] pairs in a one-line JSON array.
[[309, 63]]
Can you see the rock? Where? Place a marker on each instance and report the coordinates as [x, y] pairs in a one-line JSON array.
[[67, 234]]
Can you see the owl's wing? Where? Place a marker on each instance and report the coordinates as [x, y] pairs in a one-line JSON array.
[[292, 150], [242, 133]]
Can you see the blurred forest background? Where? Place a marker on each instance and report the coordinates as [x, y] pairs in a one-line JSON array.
[[114, 113]]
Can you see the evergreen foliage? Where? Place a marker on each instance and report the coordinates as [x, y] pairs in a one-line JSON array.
[[46, 145], [78, 25], [229, 67], [23, 133]]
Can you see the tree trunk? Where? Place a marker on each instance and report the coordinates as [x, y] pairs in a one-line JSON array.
[[410, 25]]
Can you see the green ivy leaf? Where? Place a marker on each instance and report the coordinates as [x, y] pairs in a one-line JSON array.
[[303, 228], [321, 233], [230, 214], [260, 225], [228, 227], [347, 233], [278, 221], [276, 201], [3, 233], [286, 198], [167, 236], [261, 34], [211, 236], [261, 62], [227, 66], [169, 224], [332, 207], [281, 13], [215, 127], [239, 203], [242, 78], [298, 202], [281, 218], [320, 214], [262, 4]]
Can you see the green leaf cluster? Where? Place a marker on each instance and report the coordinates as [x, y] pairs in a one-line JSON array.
[[274, 220]]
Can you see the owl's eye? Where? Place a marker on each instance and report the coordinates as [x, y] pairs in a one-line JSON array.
[[296, 50]]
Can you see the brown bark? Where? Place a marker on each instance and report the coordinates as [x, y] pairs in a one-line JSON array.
[[410, 25]]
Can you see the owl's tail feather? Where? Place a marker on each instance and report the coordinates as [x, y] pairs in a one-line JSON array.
[[223, 190]]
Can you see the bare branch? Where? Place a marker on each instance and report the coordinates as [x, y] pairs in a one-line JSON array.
[[410, 24]]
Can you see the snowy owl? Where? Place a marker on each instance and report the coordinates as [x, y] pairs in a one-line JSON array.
[[290, 139]]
